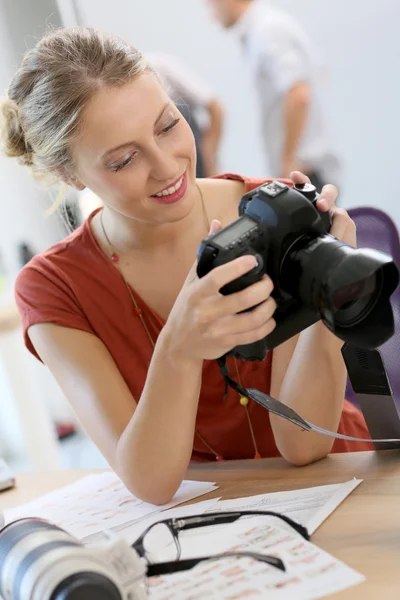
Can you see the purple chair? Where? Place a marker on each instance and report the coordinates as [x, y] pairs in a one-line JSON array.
[[375, 229]]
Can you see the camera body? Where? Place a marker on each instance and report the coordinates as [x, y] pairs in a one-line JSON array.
[[314, 275], [41, 561]]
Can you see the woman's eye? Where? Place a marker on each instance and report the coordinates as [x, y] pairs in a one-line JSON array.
[[117, 167], [123, 164], [170, 126]]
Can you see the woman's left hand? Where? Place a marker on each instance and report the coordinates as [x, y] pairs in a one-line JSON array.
[[343, 227]]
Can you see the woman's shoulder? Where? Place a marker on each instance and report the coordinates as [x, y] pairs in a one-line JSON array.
[[235, 182], [74, 254], [249, 183], [223, 193], [51, 286]]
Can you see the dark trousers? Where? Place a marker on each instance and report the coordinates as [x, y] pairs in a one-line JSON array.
[[190, 118]]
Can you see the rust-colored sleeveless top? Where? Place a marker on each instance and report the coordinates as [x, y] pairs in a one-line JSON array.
[[73, 284]]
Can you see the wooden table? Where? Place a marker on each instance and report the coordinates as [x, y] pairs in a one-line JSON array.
[[364, 531]]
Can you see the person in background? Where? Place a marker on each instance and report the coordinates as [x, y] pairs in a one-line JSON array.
[[283, 64], [198, 104], [117, 311]]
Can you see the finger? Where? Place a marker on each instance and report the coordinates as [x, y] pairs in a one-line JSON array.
[[253, 319], [220, 276], [251, 336], [222, 306], [328, 197], [298, 177], [341, 223]]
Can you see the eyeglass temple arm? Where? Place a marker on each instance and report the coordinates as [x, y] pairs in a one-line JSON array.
[[205, 520], [303, 531], [188, 563], [221, 518]]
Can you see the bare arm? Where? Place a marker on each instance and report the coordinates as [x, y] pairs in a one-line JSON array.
[[149, 444], [295, 114], [211, 137], [154, 437], [308, 371], [308, 374]]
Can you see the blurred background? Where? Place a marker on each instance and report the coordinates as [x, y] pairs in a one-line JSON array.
[[357, 45]]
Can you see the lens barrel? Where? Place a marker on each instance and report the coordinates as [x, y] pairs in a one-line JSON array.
[[350, 288]]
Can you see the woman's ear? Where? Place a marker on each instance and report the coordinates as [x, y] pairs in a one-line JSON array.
[[78, 185], [70, 179]]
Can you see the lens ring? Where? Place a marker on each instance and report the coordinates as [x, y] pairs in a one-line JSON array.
[[31, 558], [16, 531], [22, 542]]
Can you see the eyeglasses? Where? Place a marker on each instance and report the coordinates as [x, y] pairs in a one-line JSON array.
[[164, 536]]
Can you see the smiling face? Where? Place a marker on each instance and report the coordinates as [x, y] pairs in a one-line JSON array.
[[137, 152]]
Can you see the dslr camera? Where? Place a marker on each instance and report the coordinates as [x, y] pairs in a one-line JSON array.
[[315, 276]]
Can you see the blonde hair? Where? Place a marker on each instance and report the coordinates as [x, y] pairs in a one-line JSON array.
[[49, 92]]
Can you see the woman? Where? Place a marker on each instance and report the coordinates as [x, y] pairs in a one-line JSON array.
[[116, 310]]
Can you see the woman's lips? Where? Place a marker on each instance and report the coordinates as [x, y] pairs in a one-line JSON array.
[[178, 193]]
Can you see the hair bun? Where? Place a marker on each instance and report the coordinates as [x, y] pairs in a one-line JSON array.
[[12, 134]]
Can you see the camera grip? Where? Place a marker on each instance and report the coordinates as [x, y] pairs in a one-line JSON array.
[[206, 261], [241, 283]]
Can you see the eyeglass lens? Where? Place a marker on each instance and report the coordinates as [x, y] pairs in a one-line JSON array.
[[160, 544]]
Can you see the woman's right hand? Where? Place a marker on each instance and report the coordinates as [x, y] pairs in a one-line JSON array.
[[205, 324]]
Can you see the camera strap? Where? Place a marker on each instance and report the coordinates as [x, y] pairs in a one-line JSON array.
[[278, 408]]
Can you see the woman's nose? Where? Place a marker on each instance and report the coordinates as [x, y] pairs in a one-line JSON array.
[[164, 166]]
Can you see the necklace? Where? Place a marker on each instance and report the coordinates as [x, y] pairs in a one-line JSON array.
[[243, 400]]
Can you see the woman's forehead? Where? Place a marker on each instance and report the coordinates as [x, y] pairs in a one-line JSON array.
[[124, 111]]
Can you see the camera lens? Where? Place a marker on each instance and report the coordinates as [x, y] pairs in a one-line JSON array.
[[350, 288], [353, 302], [345, 298]]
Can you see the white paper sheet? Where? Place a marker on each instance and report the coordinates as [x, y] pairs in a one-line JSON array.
[[132, 531], [309, 506], [310, 572], [99, 502]]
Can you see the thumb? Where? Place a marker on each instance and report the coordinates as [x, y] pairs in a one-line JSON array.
[[298, 177], [215, 226]]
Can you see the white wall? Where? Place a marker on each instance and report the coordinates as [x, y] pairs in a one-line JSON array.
[[360, 42], [27, 390], [22, 201]]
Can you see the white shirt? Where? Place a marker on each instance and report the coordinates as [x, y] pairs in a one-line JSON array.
[[280, 55]]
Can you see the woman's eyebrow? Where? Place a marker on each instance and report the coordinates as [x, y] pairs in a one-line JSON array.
[[126, 144]]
